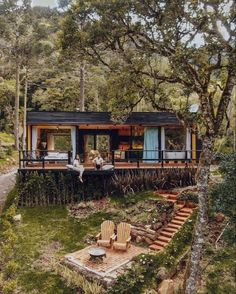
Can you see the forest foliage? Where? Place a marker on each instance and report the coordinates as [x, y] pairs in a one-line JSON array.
[[125, 70]]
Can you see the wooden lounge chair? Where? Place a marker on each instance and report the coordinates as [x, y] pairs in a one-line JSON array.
[[104, 238], [123, 237]]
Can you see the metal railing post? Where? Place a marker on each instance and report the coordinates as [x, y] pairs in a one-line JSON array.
[[69, 157], [19, 159], [113, 157]]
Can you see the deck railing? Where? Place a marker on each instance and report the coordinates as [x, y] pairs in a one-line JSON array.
[[137, 157], [155, 156], [27, 157]]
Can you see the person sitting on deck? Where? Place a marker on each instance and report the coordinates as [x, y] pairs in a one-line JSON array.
[[98, 161], [77, 166]]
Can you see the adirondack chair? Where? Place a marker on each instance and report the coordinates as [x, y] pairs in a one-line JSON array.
[[123, 237], [104, 238]]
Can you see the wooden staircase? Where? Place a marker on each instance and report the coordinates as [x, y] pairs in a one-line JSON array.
[[173, 226]]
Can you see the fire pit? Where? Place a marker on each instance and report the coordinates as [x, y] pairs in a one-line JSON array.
[[97, 254]]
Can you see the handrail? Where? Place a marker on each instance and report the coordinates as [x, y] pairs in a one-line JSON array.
[[137, 156], [39, 156], [161, 156]]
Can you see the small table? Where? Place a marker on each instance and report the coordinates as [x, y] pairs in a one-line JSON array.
[[97, 254]]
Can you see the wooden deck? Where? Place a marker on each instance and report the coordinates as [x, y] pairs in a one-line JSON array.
[[118, 166]]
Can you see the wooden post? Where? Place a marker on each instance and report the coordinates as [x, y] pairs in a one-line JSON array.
[[194, 147], [113, 157], [69, 157], [19, 159]]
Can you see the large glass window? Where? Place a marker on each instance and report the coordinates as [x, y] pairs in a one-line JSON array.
[[97, 143], [138, 136], [54, 139], [175, 139]]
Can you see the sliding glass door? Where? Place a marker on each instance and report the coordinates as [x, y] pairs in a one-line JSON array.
[[96, 143]]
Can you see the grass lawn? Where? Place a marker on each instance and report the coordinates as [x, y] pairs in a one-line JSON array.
[[40, 227]]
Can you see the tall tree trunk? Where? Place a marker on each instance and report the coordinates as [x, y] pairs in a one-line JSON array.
[[16, 126], [203, 175], [82, 70], [25, 109]]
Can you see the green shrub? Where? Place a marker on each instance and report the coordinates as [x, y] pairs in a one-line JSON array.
[[11, 269], [223, 194], [188, 196], [9, 151]]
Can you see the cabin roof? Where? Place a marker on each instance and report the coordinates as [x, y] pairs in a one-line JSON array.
[[100, 118]]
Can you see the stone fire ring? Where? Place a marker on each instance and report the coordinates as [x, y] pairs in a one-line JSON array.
[[96, 253]]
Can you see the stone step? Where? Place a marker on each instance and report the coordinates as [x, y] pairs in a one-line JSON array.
[[181, 218], [185, 209], [171, 200], [164, 239], [167, 234], [173, 197], [180, 206], [160, 243], [174, 226], [156, 247], [177, 222], [171, 230], [183, 214]]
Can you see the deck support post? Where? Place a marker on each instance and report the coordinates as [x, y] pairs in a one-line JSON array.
[[113, 157], [19, 159], [69, 157], [162, 158], [186, 158]]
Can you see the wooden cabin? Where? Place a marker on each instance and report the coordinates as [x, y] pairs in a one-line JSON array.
[[144, 139]]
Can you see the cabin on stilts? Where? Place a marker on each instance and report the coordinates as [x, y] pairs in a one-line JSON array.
[[143, 140]]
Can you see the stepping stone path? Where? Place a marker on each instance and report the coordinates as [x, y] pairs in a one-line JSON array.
[[174, 225]]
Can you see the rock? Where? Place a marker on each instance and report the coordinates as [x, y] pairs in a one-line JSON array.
[[141, 233], [139, 239], [148, 241], [17, 218], [147, 226], [166, 287], [163, 217], [149, 231], [150, 236], [157, 226], [161, 274], [219, 217], [134, 233]]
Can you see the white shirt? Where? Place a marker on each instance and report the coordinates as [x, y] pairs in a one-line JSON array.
[[76, 163], [98, 160]]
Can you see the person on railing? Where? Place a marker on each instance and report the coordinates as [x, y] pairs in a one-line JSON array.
[[98, 161], [77, 166]]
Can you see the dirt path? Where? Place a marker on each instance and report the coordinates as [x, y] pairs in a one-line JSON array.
[[7, 182]]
